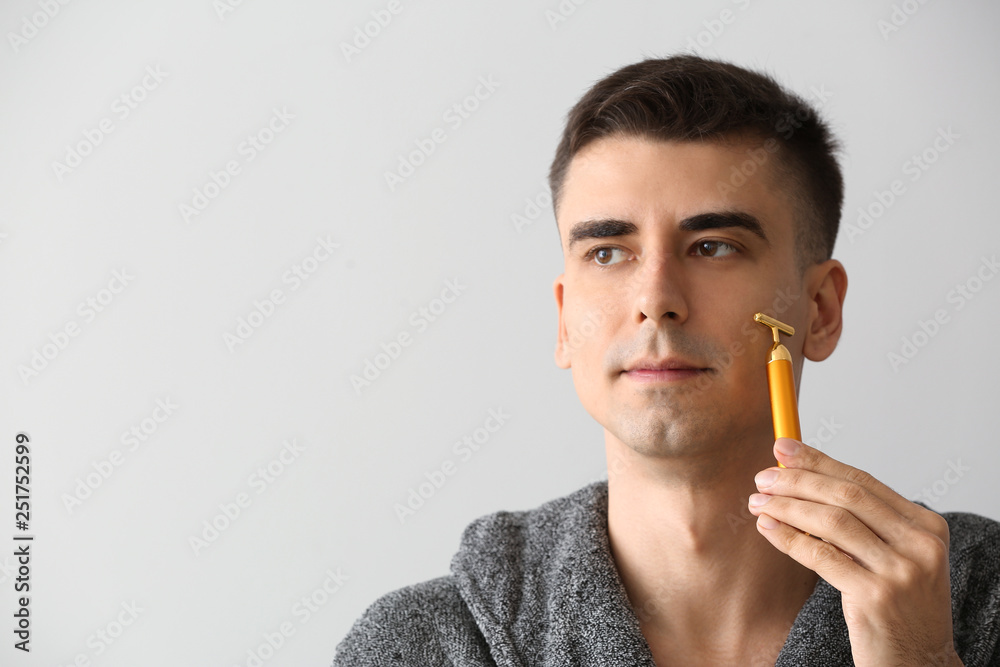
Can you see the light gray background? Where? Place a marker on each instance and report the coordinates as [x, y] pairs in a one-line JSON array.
[[332, 508]]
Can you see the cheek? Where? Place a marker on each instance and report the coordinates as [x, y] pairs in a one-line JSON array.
[[751, 340], [735, 362], [584, 331], [589, 336], [589, 322], [744, 349]]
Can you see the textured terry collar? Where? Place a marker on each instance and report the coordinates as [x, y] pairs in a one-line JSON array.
[[542, 584]]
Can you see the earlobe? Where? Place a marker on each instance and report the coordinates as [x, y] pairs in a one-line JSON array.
[[828, 287], [562, 353]]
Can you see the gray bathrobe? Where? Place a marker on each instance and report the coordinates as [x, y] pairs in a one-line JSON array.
[[540, 587]]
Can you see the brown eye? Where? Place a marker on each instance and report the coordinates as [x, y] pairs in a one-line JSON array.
[[603, 255], [712, 248]]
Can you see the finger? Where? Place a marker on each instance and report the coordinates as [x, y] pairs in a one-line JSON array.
[[794, 454], [823, 558], [835, 525], [879, 518]]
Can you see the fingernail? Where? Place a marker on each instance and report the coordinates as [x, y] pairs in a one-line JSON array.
[[764, 521], [766, 478], [758, 499], [787, 446]]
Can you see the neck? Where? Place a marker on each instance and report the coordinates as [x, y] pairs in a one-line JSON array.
[[688, 551]]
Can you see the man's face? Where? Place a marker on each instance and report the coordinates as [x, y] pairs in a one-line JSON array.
[[672, 281]]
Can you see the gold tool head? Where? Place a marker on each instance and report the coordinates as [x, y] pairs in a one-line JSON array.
[[775, 325]]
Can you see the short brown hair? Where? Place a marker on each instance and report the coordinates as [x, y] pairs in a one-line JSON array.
[[690, 98]]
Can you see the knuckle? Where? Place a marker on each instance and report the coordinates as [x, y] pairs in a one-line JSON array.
[[895, 531], [810, 455], [850, 493], [859, 477], [934, 547], [909, 574], [822, 552], [836, 519], [790, 479], [881, 593], [872, 554], [938, 525], [790, 542]]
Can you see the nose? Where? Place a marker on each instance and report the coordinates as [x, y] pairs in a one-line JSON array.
[[659, 290]]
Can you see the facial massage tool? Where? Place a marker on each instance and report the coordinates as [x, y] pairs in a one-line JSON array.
[[781, 386], [781, 382]]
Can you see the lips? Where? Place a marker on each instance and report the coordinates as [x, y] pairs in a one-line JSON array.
[[668, 370], [669, 364]]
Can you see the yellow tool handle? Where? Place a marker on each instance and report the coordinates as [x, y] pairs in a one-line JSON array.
[[784, 408]]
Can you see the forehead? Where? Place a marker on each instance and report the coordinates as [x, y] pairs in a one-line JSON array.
[[642, 179]]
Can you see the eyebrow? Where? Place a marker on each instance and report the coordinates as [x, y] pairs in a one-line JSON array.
[[610, 227]]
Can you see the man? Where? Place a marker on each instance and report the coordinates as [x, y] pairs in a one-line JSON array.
[[690, 194]]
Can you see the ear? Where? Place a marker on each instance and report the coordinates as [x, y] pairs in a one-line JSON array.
[[562, 355], [827, 285]]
